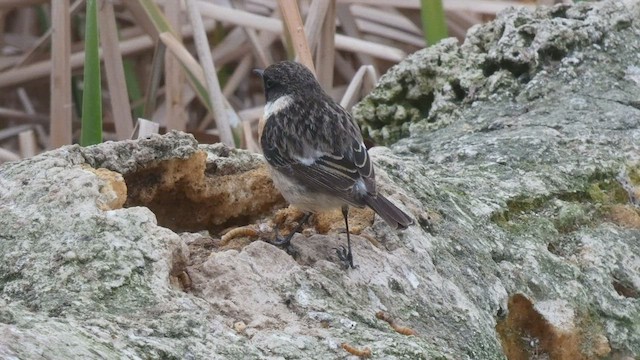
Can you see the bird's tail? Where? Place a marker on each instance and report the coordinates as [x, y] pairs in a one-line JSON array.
[[395, 217]]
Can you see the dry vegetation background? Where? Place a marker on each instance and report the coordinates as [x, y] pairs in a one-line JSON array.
[[187, 64]]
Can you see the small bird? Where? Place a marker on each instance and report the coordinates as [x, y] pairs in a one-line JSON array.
[[316, 153]]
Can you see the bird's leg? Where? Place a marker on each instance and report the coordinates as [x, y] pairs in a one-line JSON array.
[[287, 240], [345, 255]]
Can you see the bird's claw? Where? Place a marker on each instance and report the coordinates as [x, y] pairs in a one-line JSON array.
[[284, 243], [346, 256], [280, 241]]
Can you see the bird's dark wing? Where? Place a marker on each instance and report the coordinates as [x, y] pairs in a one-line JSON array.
[[333, 159]]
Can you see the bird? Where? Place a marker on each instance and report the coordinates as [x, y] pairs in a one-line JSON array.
[[316, 153]]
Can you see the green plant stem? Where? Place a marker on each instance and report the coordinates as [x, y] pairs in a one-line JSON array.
[[433, 21], [91, 132]]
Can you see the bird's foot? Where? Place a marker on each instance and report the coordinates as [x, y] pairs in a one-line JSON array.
[[283, 242], [286, 242], [346, 257]]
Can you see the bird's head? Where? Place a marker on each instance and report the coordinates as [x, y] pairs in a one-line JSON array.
[[287, 78]]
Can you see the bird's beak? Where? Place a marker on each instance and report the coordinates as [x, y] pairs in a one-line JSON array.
[[258, 72]]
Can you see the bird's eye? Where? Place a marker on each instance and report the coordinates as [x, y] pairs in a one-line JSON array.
[[269, 83]]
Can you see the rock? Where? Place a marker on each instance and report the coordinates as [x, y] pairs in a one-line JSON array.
[[517, 153]]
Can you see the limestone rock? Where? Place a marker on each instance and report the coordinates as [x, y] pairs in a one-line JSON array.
[[518, 156]]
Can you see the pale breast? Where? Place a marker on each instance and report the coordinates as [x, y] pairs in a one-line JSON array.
[[300, 197]]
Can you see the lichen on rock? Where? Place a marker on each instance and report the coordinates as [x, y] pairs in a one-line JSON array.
[[425, 91], [516, 152]]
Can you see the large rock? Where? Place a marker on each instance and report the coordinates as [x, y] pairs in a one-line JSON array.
[[519, 162]]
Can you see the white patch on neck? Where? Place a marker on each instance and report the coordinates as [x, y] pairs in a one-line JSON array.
[[274, 107]]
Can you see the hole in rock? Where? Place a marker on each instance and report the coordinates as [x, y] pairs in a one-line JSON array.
[[423, 103], [516, 68], [458, 90], [552, 54], [624, 289], [193, 195], [230, 195], [489, 67]]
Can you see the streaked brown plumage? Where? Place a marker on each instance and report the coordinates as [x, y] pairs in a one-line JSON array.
[[315, 150]]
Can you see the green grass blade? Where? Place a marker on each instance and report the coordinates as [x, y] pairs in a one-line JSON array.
[[133, 87], [433, 21], [91, 132], [157, 67], [43, 19], [76, 95]]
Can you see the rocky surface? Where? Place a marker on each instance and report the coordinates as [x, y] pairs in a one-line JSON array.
[[518, 155]]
